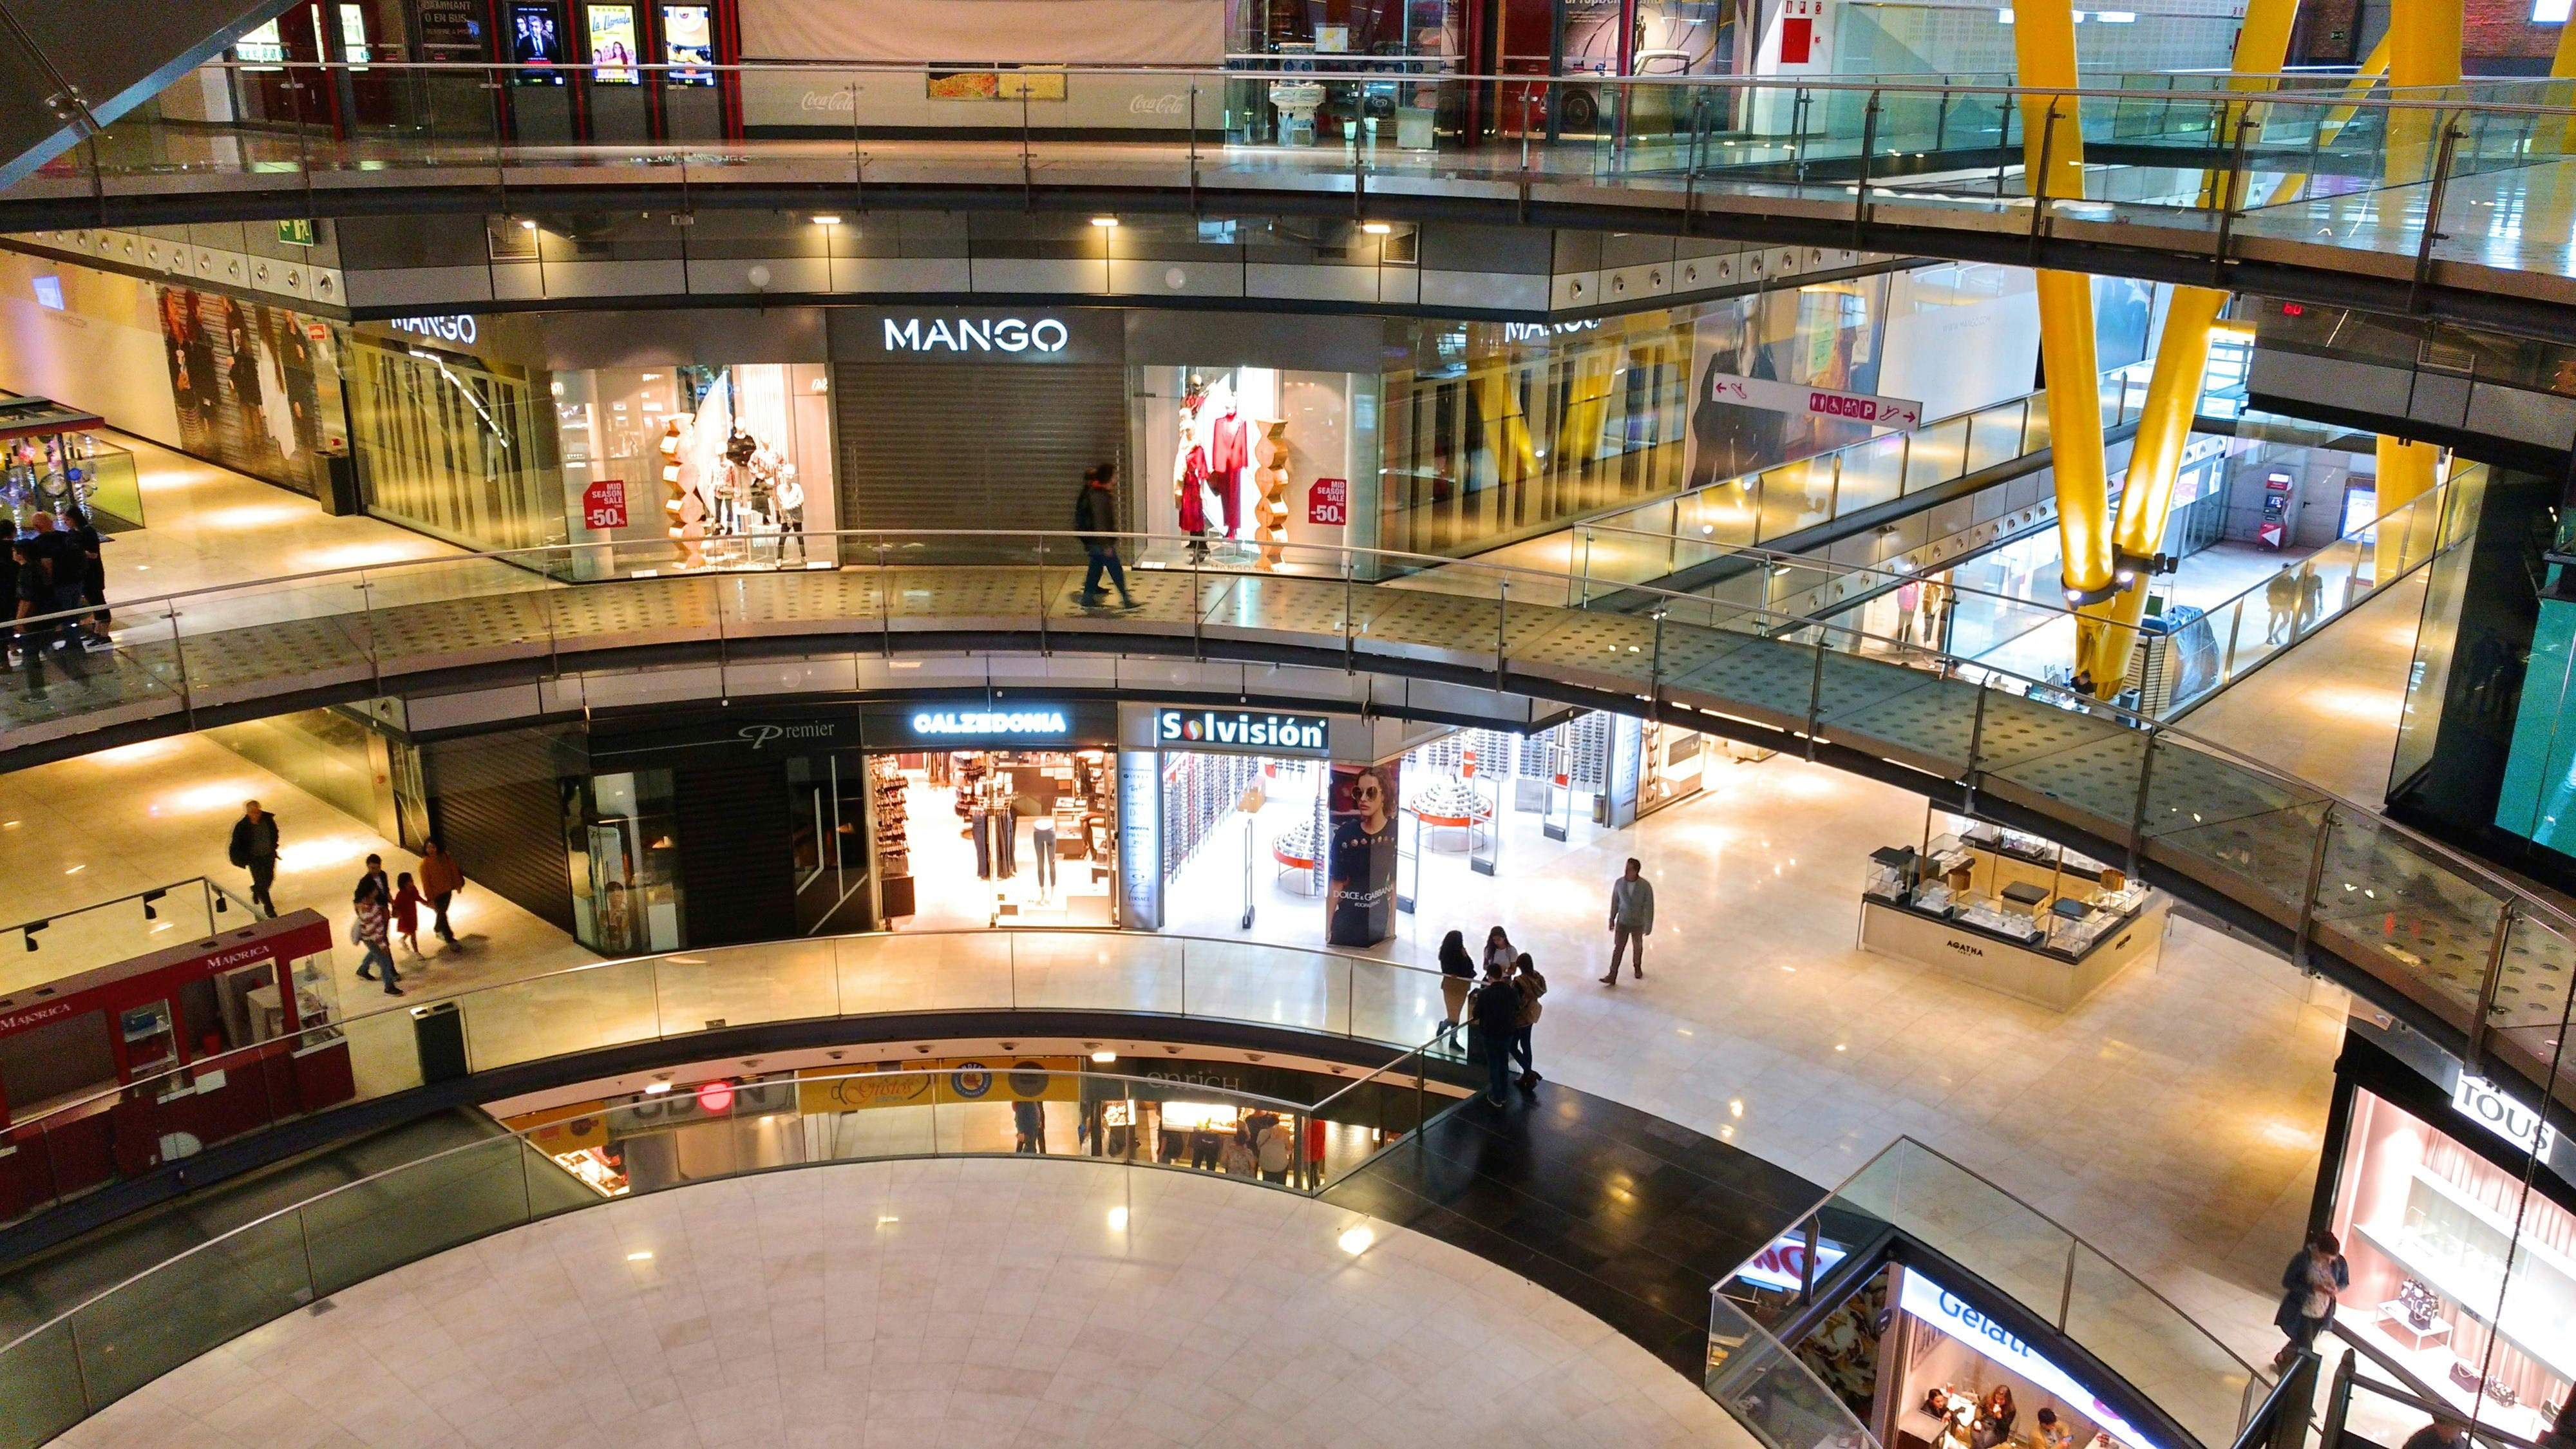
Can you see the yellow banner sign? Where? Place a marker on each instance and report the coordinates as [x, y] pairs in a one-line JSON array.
[[950, 1081]]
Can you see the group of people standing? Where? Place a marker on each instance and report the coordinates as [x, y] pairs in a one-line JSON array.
[[54, 568], [1500, 1007]]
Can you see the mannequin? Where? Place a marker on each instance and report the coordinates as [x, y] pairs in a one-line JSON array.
[[1190, 470], [1228, 449], [790, 497]]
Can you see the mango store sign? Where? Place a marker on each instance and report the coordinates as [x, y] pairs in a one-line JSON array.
[[1937, 1306]]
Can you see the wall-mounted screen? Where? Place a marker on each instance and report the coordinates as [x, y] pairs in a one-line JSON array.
[[613, 45], [689, 39], [536, 40]]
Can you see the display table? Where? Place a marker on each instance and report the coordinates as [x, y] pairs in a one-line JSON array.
[[2046, 935]]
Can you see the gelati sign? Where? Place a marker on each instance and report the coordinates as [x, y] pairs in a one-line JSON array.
[[1946, 1311], [1293, 734]]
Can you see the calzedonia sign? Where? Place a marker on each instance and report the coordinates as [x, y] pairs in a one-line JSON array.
[[1035, 722], [1291, 734]]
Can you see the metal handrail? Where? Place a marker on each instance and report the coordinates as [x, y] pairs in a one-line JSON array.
[[323, 1027], [1857, 85], [2561, 917], [521, 1135]]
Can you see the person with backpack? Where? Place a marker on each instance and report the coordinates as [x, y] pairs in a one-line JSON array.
[[1095, 522], [1495, 1010], [1532, 986]]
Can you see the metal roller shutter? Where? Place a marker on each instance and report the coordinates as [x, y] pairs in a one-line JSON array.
[[973, 446], [499, 811]]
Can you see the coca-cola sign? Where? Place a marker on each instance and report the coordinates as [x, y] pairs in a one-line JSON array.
[[1163, 105]]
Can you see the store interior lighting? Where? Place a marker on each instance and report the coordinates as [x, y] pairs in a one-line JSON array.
[[1104, 222], [827, 221], [1377, 228]]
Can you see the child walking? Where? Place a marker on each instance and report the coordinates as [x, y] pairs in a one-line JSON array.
[[407, 900]]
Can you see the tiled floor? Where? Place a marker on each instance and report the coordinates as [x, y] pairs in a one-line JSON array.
[[208, 525], [125, 820], [973, 1302], [2327, 710], [1621, 1213]]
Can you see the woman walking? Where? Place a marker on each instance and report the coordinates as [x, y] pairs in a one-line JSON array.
[[1457, 978]]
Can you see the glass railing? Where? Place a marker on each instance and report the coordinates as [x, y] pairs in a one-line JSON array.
[[2257, 625], [102, 933], [59, 1372], [2020, 1252], [2463, 174], [2292, 861], [71, 1149], [1770, 1390], [1737, 518]]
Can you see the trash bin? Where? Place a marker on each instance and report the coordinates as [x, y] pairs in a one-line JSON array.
[[340, 483], [438, 1035]]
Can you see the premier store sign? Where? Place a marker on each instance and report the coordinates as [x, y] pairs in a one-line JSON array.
[[1243, 730]]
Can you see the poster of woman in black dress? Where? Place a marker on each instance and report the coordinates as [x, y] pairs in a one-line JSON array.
[[1360, 871]]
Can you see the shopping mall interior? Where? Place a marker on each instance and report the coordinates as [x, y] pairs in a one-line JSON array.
[[1796, 725]]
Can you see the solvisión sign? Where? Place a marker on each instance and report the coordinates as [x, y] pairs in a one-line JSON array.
[[1298, 734]]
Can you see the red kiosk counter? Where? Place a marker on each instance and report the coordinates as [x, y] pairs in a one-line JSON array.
[[112, 1072]]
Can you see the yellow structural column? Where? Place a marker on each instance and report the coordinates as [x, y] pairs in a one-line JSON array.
[[2423, 57], [2053, 160], [2173, 386]]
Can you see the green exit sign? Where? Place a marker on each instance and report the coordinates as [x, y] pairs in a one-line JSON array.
[[295, 233]]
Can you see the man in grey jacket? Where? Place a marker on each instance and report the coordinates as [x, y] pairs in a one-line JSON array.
[[1632, 919]]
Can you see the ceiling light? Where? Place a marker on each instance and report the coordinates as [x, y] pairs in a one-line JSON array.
[[527, 226], [643, 1257], [827, 221], [1104, 222], [1104, 1056], [657, 1089], [1376, 228], [1118, 1220]]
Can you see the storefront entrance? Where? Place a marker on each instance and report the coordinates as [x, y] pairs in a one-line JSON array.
[[974, 838]]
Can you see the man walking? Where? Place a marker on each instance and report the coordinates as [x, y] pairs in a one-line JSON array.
[[2280, 600], [254, 849], [1632, 920], [1095, 522], [375, 875], [440, 879]]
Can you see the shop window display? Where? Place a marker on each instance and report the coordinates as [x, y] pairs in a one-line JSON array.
[[716, 462], [626, 891], [257, 387], [2460, 1275], [1241, 832], [997, 839], [1259, 465]]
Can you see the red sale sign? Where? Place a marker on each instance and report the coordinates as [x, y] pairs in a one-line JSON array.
[[1329, 501], [603, 504]]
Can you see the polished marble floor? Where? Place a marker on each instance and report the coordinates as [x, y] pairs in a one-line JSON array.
[[143, 816], [970, 1302], [2327, 710]]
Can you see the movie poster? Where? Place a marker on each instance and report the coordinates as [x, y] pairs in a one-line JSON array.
[[1360, 868], [256, 389], [536, 39], [688, 39], [613, 46]]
